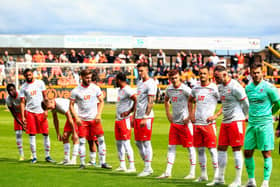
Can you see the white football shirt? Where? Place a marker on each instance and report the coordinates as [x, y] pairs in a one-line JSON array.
[[124, 100], [13, 102], [86, 99], [33, 95]]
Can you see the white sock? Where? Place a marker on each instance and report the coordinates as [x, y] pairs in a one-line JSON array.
[[102, 150], [19, 142], [82, 151], [130, 153], [222, 162], [170, 158], [75, 152], [92, 156], [238, 158], [47, 145], [202, 160], [192, 157], [121, 152], [67, 151], [148, 154], [141, 149], [214, 156], [32, 140]]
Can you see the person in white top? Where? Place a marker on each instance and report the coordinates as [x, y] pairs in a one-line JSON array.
[[144, 116], [202, 105], [89, 100], [181, 129], [235, 108], [32, 93], [13, 103], [125, 106], [61, 105]]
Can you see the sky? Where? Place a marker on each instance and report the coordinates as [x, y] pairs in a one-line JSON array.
[[186, 18]]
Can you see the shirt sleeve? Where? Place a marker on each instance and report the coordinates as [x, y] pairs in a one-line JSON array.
[[130, 92], [43, 86], [8, 102], [273, 93], [73, 95], [152, 88], [98, 91], [193, 93], [21, 93], [239, 92], [188, 91]]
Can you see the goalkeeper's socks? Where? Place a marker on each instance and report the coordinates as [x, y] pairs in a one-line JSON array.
[[267, 168], [250, 167], [32, 140], [47, 145]]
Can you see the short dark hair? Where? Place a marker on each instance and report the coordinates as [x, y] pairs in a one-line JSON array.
[[220, 68], [85, 72], [26, 71], [204, 67], [94, 77], [121, 76], [142, 64], [256, 65], [10, 85], [173, 72]]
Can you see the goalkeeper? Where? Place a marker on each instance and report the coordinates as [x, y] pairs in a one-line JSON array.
[[264, 102]]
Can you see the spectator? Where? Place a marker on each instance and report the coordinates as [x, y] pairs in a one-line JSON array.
[[122, 57], [251, 59], [234, 61], [200, 60], [63, 56], [151, 63], [28, 56], [117, 61], [184, 60], [161, 56], [102, 58], [82, 56], [178, 62], [111, 57], [5, 57], [36, 57], [240, 61], [76, 75], [2, 73], [160, 64], [42, 56], [214, 59], [158, 73], [130, 57], [10, 63], [49, 57], [73, 57]]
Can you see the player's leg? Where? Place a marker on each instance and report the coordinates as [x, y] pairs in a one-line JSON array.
[[66, 146], [198, 140], [171, 154], [147, 146], [236, 142], [92, 154], [130, 156], [119, 125], [265, 137], [211, 143], [32, 131], [97, 131], [186, 137], [83, 131], [75, 151], [222, 155], [138, 136], [19, 144], [249, 146]]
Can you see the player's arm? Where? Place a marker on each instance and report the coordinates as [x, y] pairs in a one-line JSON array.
[[215, 116], [74, 113], [150, 104], [167, 109], [22, 108], [132, 109], [71, 122], [56, 124], [245, 105], [12, 110], [191, 108], [100, 107]]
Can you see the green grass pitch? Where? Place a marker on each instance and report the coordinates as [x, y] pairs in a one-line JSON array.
[[15, 173]]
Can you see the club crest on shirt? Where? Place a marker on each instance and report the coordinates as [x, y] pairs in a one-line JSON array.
[[261, 90], [228, 91]]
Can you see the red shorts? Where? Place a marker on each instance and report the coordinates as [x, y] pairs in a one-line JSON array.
[[205, 136], [181, 135], [123, 129], [143, 133], [17, 126], [90, 129], [92, 138], [232, 133], [68, 128], [36, 123]]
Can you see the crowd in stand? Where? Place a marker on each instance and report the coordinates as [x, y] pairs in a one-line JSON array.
[[187, 62]]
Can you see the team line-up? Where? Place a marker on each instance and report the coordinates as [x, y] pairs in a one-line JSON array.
[[192, 121]]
